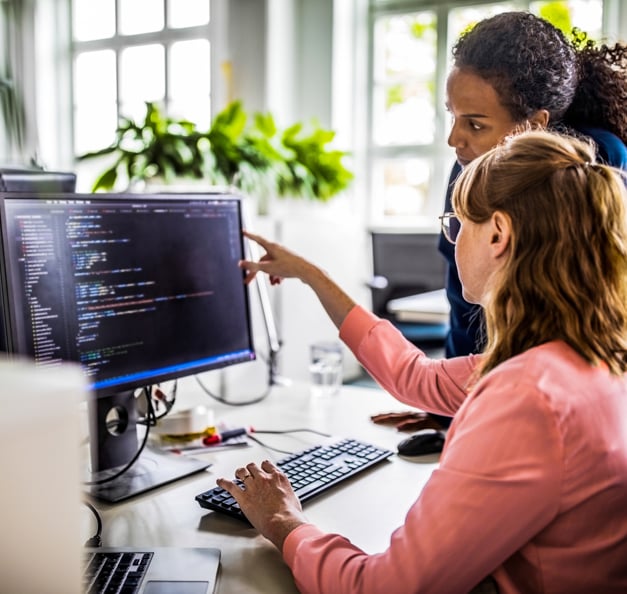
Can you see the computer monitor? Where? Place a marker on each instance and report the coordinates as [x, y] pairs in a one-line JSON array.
[[36, 181], [33, 181], [138, 288]]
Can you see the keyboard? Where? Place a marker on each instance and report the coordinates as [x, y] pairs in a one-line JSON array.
[[311, 472], [114, 572]]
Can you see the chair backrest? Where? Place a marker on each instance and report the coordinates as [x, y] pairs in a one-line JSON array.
[[404, 264]]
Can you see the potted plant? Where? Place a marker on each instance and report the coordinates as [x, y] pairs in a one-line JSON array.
[[253, 155]]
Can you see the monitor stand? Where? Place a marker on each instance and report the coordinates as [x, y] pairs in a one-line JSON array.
[[113, 434]]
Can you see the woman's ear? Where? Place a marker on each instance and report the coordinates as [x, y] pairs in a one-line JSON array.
[[540, 119], [501, 233]]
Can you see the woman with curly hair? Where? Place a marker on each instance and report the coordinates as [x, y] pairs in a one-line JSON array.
[[515, 70], [512, 71], [531, 491]]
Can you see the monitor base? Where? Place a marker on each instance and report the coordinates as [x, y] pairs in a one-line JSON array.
[[152, 470]]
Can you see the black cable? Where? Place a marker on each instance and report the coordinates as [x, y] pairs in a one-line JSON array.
[[169, 402], [132, 461], [96, 539]]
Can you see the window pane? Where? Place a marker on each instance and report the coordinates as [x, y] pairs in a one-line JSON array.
[[405, 113], [187, 13], [189, 81], [404, 78], [95, 100], [189, 68], [142, 74], [140, 16], [586, 15], [94, 127], [93, 19], [402, 186], [94, 76]]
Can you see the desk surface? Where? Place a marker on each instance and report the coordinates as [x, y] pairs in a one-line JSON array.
[[432, 307], [366, 509]]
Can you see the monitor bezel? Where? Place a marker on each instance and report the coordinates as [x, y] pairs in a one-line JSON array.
[[97, 388]]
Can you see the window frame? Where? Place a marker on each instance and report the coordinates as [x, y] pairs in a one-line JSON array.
[[442, 157], [118, 42]]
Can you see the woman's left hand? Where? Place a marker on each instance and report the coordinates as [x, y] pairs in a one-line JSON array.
[[267, 500]]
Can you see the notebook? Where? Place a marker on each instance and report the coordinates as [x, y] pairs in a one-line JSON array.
[[41, 511]]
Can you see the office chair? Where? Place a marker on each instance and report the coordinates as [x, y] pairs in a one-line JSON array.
[[406, 264]]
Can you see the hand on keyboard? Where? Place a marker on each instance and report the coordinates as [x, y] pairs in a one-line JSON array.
[[309, 472], [265, 496]]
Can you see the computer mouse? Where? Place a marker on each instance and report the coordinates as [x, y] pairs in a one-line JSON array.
[[426, 441]]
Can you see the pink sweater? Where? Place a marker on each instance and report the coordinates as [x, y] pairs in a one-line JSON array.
[[531, 487]]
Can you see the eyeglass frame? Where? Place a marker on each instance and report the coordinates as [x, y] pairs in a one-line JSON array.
[[445, 226]]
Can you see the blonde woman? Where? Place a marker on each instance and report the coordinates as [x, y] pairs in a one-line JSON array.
[[531, 492]]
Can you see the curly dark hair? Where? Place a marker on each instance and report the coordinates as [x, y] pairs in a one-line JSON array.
[[532, 66], [601, 94]]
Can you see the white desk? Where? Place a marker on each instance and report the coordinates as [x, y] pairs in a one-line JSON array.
[[366, 510]]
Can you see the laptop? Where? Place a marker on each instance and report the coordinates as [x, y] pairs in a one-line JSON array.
[[169, 570], [41, 511]]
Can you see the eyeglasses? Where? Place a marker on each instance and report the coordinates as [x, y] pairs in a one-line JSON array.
[[450, 226]]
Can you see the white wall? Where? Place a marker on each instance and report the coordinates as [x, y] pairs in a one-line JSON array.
[[332, 237], [299, 75]]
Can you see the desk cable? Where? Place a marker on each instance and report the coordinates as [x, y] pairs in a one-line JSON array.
[[283, 432], [96, 539], [158, 397], [150, 421]]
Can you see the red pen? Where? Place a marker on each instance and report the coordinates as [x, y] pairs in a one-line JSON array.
[[225, 435]]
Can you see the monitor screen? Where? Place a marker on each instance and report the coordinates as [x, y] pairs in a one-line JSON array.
[[138, 288]]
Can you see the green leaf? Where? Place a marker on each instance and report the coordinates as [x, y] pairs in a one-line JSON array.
[[106, 180], [264, 123]]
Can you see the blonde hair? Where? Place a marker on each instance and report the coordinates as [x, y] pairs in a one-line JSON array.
[[566, 272]]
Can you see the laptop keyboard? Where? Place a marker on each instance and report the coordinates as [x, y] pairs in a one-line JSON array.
[[311, 472], [115, 573]]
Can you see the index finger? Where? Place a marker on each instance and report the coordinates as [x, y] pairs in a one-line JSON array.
[[228, 485], [262, 241]]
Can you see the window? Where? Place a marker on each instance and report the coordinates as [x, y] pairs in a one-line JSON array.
[[127, 52], [409, 160]]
